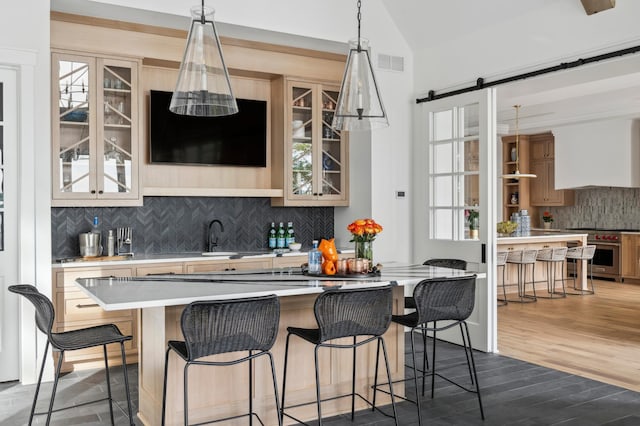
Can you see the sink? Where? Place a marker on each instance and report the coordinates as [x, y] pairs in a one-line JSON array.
[[220, 253]]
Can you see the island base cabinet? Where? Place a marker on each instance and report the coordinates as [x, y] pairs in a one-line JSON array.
[[217, 392]]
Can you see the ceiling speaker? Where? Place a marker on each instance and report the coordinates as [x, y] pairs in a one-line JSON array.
[[595, 6]]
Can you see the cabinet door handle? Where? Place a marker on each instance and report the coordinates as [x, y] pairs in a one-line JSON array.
[[90, 305], [320, 194], [93, 191], [101, 192]]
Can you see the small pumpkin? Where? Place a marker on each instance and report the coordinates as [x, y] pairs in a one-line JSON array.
[[328, 267], [328, 250]]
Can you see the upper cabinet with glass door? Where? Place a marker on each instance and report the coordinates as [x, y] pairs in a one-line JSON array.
[[316, 159], [95, 131]]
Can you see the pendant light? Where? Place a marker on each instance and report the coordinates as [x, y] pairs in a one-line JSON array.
[[359, 103], [517, 175], [203, 88]]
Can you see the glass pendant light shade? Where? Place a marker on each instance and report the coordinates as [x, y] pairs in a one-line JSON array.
[[359, 103], [203, 88]]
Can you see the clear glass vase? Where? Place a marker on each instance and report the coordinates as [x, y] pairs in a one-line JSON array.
[[364, 250]]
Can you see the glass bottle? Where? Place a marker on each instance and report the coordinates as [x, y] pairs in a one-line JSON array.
[[272, 236], [291, 237], [281, 240], [315, 259]]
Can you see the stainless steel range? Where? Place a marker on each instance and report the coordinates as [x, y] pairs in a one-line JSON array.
[[607, 258]]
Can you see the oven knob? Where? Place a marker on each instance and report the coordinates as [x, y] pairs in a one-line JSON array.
[[615, 237], [597, 237]]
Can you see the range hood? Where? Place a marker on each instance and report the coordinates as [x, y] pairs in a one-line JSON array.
[[599, 153]]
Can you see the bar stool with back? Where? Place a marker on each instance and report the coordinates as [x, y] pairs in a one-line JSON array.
[[83, 338], [346, 313], [223, 326], [522, 259], [582, 254], [445, 299], [552, 257]]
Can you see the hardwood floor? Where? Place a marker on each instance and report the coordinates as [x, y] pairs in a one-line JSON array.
[[594, 336]]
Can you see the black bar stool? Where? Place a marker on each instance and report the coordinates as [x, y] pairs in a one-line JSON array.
[[83, 338], [501, 262], [446, 299], [524, 258], [409, 303], [582, 254], [551, 257], [222, 326], [346, 313]]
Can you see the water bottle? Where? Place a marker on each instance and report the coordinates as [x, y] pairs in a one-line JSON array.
[[111, 243], [95, 228], [281, 240], [290, 238], [272, 236], [315, 259]]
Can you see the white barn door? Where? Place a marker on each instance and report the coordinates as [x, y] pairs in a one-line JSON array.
[[455, 180]]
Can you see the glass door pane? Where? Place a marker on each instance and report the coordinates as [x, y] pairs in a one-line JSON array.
[[331, 147], [74, 129], [302, 129], [117, 127]]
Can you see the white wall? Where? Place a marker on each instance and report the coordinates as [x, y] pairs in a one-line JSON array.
[[24, 31]]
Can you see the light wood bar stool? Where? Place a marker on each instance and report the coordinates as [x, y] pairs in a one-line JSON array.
[[552, 257], [582, 254], [524, 258]]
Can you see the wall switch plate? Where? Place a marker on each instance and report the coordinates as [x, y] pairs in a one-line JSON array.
[[400, 194]]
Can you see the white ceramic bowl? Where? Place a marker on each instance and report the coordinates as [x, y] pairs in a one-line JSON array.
[[295, 246]]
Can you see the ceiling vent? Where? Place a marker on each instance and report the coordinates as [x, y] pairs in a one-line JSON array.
[[595, 6], [390, 63]]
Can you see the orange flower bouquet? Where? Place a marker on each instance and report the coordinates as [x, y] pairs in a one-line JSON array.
[[363, 232]]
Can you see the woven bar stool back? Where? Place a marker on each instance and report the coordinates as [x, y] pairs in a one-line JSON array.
[[582, 254], [501, 262], [83, 338], [524, 258], [223, 326], [552, 257]]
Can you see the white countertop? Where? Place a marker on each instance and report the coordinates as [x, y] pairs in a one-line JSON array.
[[179, 257], [543, 237], [170, 290]]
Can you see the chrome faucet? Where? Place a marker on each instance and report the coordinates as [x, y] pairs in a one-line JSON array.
[[212, 238]]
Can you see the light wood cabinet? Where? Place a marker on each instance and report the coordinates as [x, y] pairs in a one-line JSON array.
[[75, 310], [95, 130], [515, 192], [312, 164], [630, 250], [542, 188]]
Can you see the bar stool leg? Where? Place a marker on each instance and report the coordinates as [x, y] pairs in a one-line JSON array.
[[284, 376], [386, 363], [415, 376], [35, 397], [55, 386], [164, 387], [275, 387], [186, 394], [250, 390], [317, 365], [475, 372], [375, 379], [466, 354], [353, 382], [106, 371], [433, 366]]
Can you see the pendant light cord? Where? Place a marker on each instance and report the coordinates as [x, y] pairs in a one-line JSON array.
[[202, 21], [517, 107], [359, 19]]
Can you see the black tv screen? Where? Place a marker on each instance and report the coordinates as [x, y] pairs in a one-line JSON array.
[[237, 140]]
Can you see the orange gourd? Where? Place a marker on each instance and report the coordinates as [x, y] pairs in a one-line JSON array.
[[328, 250], [328, 267]]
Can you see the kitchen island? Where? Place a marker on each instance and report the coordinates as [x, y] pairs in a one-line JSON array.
[[540, 240], [221, 392]]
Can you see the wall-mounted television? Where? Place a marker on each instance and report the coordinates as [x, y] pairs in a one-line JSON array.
[[234, 140]]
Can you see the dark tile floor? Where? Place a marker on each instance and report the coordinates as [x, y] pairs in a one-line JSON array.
[[513, 393]]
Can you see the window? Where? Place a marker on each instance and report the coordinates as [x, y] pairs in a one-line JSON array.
[[454, 174]]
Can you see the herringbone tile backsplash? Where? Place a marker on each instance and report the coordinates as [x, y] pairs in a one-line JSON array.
[[179, 224]]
